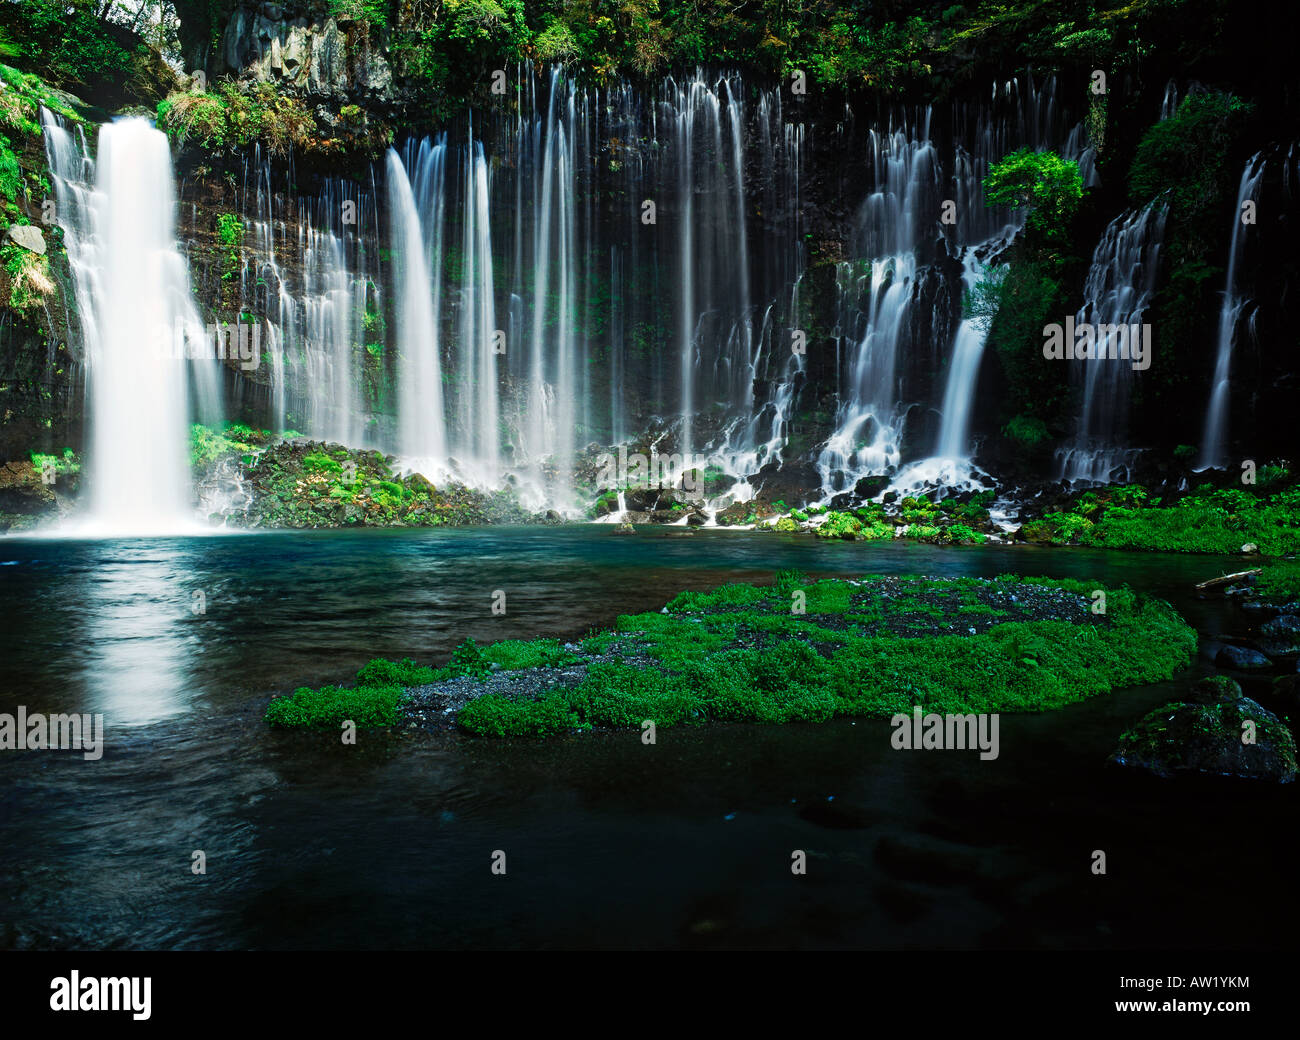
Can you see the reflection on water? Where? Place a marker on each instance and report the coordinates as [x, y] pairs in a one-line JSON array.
[[310, 844], [137, 610]]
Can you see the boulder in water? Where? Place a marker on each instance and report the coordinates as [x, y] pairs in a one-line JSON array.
[[1242, 658], [1233, 736], [1281, 636], [796, 483], [870, 487]]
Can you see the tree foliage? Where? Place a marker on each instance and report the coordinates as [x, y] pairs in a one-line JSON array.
[[1049, 185]]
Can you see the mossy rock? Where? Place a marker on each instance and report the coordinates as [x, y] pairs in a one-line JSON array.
[[1233, 736]]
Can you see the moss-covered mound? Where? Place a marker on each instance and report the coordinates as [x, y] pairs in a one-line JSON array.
[[1203, 520], [311, 484], [809, 651], [1221, 733]]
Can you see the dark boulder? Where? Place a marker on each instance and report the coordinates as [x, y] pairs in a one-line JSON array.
[[870, 487], [1241, 658], [795, 483], [1234, 736]]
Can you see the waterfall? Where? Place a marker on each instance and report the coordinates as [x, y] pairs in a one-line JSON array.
[[307, 272], [951, 465], [538, 225], [554, 352], [1121, 281], [1169, 103], [1214, 440], [963, 371], [145, 346], [896, 300], [332, 305], [422, 429], [481, 437], [715, 324], [893, 220], [757, 436]]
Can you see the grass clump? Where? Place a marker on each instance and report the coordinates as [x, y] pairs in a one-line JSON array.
[[1280, 582]]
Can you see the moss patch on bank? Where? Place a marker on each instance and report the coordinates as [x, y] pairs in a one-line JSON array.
[[799, 650], [1205, 520], [310, 484]]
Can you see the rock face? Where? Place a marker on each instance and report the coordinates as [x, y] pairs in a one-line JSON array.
[[1231, 735], [25, 499], [29, 237], [303, 49], [796, 483]]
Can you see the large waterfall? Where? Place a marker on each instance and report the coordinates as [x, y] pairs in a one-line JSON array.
[[594, 243], [144, 342], [416, 300], [587, 265], [1214, 440]]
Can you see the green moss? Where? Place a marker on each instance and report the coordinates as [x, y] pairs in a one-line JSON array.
[[739, 654], [65, 465], [512, 654], [495, 716], [1280, 582], [331, 706], [1205, 521], [207, 445], [319, 462]]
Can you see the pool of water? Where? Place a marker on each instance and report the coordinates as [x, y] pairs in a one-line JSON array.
[[179, 643]]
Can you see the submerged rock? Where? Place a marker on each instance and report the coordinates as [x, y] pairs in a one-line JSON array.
[[1231, 736], [1241, 658]]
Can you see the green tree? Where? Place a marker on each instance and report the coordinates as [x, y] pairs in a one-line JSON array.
[[1049, 185]]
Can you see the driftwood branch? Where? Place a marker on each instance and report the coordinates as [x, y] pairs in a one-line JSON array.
[[1226, 579]]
